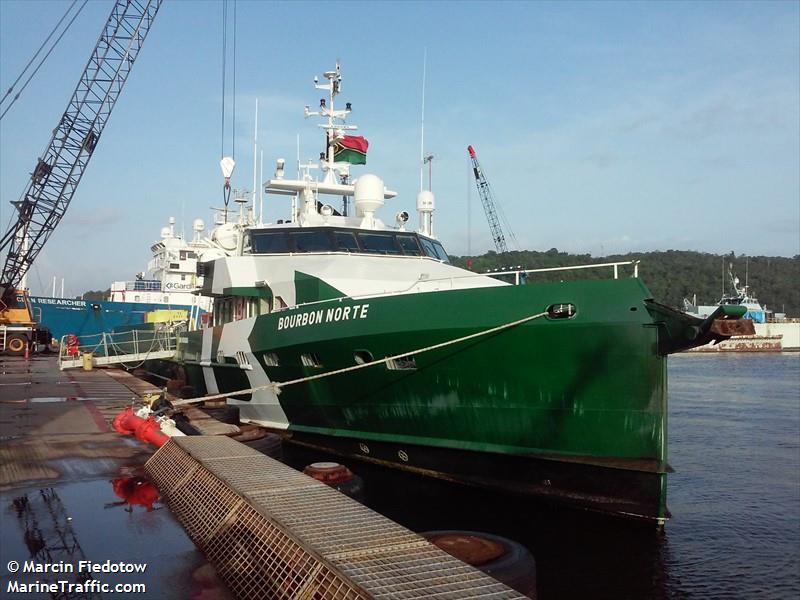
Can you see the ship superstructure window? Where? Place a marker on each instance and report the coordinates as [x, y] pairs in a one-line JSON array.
[[270, 242], [327, 239], [410, 245], [346, 240], [311, 241], [379, 243], [434, 249]]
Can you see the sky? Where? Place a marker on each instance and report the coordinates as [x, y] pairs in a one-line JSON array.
[[602, 127]]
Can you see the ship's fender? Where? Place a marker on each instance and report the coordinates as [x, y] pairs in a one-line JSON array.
[[506, 560]]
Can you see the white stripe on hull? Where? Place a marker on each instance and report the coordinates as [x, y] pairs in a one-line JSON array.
[[263, 407], [205, 357]]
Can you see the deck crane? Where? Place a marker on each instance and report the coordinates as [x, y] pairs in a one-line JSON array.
[[487, 199], [59, 169]]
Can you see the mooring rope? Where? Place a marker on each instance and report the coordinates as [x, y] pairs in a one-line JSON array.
[[277, 385]]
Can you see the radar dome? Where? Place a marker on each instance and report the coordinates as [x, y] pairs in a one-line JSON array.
[[226, 236], [425, 201], [368, 191]]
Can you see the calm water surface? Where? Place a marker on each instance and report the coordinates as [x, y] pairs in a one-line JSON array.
[[734, 436]]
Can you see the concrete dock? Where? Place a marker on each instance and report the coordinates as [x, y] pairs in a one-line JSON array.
[[55, 425], [65, 490], [270, 531]]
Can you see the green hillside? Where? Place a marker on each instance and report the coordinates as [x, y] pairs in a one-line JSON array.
[[671, 276]]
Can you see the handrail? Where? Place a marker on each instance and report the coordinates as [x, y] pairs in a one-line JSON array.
[[134, 342], [615, 266]]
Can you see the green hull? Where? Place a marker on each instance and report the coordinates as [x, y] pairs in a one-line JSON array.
[[585, 396]]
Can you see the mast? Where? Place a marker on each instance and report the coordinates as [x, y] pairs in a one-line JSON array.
[[261, 193], [422, 120], [255, 159], [335, 126]]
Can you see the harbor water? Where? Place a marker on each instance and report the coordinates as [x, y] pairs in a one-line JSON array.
[[734, 436]]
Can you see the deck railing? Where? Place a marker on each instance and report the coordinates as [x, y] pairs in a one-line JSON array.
[[118, 347], [520, 274]]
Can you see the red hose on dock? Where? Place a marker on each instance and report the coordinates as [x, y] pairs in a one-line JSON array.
[[148, 430]]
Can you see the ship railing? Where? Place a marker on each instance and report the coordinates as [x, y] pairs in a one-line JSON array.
[[521, 274], [117, 347], [140, 285]]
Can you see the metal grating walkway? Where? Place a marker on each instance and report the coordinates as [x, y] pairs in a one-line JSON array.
[[273, 532]]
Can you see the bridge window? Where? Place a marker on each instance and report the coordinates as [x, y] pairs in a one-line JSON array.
[[330, 240], [410, 245], [427, 246], [312, 241], [270, 242], [346, 240], [378, 243]]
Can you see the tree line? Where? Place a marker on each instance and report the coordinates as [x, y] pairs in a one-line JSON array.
[[671, 275]]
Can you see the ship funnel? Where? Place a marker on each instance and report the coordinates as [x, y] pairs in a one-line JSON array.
[[369, 192], [425, 208]]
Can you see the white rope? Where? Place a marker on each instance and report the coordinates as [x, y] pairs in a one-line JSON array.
[[276, 386]]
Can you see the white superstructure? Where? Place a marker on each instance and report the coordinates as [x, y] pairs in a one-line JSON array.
[[171, 277]]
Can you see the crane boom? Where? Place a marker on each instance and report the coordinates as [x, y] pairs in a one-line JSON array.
[[59, 170], [487, 199]]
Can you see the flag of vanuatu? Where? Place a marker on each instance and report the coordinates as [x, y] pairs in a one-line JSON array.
[[351, 148]]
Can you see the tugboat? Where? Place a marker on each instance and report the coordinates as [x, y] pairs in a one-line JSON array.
[[773, 332], [359, 338]]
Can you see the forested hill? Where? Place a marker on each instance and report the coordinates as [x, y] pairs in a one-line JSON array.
[[671, 276]]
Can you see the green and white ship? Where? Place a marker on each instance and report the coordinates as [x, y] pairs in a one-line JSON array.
[[360, 338]]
